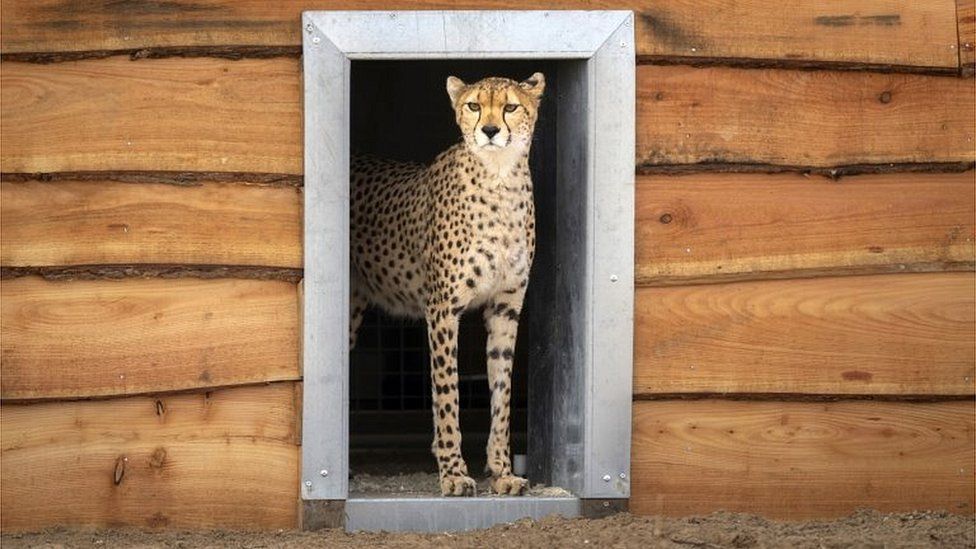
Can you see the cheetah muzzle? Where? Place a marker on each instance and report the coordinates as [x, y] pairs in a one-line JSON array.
[[434, 241]]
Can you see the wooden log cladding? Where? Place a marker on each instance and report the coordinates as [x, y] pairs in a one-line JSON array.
[[713, 227], [226, 459], [801, 460], [106, 337], [878, 32], [687, 115], [883, 335], [105, 222], [966, 11], [238, 116], [169, 114]]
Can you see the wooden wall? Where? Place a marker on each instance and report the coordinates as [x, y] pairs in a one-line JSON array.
[[805, 258]]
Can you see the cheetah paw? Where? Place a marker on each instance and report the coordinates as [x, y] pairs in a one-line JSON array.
[[508, 485], [457, 485]]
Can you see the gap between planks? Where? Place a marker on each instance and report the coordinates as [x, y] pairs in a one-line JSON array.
[[805, 397], [27, 401], [122, 271], [237, 52], [193, 178]]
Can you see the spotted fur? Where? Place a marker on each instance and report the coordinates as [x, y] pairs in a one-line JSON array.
[[434, 241]]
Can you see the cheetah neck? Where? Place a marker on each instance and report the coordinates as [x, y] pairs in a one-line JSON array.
[[503, 163]]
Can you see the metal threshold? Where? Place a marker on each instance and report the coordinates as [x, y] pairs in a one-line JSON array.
[[440, 514]]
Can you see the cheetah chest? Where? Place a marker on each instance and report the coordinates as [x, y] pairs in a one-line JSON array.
[[501, 244]]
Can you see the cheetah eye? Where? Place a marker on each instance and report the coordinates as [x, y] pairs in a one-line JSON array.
[[474, 107], [511, 107]]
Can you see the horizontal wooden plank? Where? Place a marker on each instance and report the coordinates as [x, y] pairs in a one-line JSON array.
[[801, 118], [168, 114], [106, 337], [226, 459], [104, 222], [966, 13], [801, 460], [885, 32], [713, 226], [906, 334], [239, 116]]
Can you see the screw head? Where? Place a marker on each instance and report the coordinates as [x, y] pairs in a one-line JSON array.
[[324, 472], [308, 484], [606, 478], [316, 39], [623, 476], [308, 27], [614, 278]]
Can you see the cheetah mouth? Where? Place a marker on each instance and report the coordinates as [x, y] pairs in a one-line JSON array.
[[491, 145]]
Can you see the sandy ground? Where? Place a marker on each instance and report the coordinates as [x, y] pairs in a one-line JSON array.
[[863, 529]]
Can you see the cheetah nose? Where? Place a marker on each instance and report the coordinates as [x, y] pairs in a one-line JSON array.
[[490, 131]]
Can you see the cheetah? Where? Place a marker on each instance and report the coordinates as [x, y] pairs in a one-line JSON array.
[[435, 241]]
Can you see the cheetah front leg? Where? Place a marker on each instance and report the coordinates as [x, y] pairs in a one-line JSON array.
[[501, 322], [442, 333]]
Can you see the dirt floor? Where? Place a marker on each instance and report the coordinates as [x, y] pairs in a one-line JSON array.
[[863, 529], [426, 484]]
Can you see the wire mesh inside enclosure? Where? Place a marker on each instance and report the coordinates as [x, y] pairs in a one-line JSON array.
[[400, 110], [389, 371]]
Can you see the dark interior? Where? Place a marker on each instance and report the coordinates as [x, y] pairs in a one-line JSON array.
[[400, 110]]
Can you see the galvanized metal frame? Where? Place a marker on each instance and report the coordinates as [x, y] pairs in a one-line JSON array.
[[600, 168]]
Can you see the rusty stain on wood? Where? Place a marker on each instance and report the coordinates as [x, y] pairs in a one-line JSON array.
[[857, 375], [157, 458]]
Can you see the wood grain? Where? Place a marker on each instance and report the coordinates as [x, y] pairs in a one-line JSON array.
[[104, 222], [708, 227], [225, 459], [908, 334], [885, 32], [966, 13], [168, 114], [220, 115], [801, 118], [801, 460], [102, 338]]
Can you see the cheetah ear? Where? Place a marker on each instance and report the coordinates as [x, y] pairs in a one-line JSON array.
[[534, 85], [454, 87]]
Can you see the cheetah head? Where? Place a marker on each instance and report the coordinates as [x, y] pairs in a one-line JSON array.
[[497, 114]]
